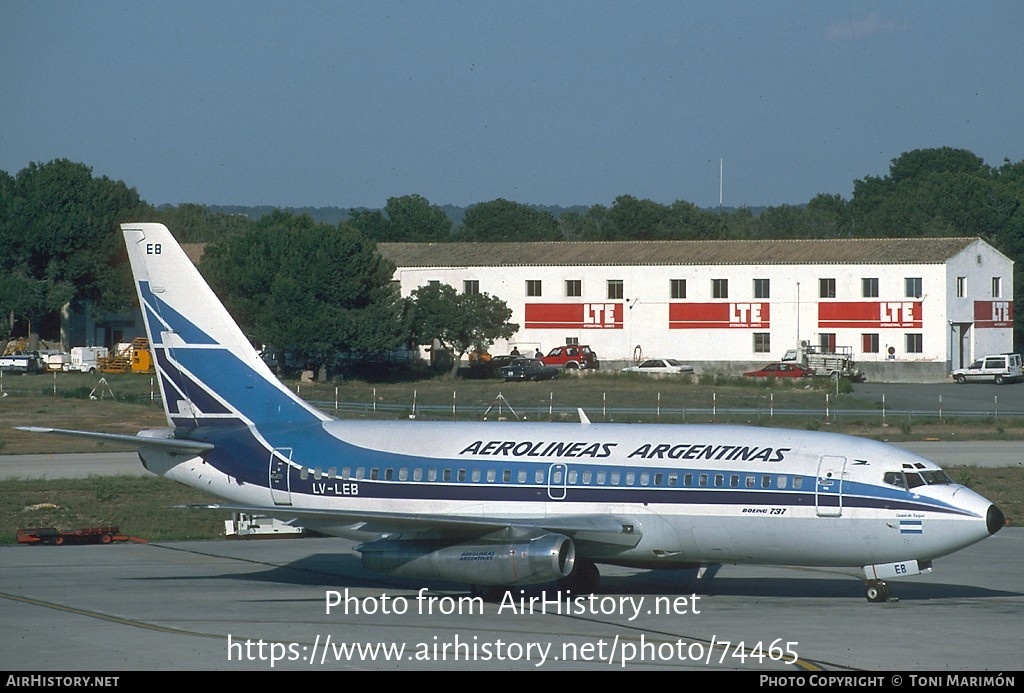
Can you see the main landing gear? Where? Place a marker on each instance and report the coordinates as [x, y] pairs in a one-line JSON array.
[[877, 591]]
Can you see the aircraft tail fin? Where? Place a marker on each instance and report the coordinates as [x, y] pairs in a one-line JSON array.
[[208, 371]]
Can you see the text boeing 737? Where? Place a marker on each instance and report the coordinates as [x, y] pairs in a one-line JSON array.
[[503, 504]]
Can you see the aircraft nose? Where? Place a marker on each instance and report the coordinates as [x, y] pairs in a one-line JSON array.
[[995, 519]]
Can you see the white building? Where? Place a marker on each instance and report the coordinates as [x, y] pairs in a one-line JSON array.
[[909, 308]]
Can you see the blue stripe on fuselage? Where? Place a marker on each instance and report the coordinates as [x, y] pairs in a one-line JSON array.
[[311, 448], [526, 493]]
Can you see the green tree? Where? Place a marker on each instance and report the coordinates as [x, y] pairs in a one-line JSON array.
[[413, 218], [783, 221], [582, 226], [828, 217], [740, 223], [502, 220], [931, 192], [458, 322], [410, 218], [1009, 181], [685, 221], [923, 163], [60, 240], [192, 223], [371, 223], [320, 289], [630, 219], [26, 297]]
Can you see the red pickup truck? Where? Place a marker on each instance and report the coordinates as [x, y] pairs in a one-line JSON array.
[[572, 357]]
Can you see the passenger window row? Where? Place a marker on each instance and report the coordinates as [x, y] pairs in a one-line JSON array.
[[575, 477]]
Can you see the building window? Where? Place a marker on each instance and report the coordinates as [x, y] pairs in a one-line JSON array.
[[826, 288], [913, 285], [678, 288], [471, 286], [997, 287], [961, 287], [573, 287], [615, 288], [915, 343], [762, 342], [869, 287], [762, 288], [433, 282], [720, 288], [869, 343], [827, 341], [533, 287]]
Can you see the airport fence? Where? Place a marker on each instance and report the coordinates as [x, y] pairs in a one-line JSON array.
[[611, 400], [728, 408]]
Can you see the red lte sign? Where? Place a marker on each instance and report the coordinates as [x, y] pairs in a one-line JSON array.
[[989, 314], [702, 316], [573, 316], [870, 314]]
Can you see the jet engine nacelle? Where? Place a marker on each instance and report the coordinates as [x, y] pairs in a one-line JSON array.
[[543, 559]]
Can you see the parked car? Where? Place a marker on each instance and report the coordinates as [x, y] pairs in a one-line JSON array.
[[572, 357], [995, 368], [660, 367], [478, 370], [781, 370], [528, 369]]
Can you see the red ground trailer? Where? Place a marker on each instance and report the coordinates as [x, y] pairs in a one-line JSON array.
[[59, 537]]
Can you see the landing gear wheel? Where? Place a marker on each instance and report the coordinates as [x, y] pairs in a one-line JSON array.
[[877, 591], [584, 578]]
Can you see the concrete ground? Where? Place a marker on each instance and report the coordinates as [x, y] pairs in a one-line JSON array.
[[261, 605]]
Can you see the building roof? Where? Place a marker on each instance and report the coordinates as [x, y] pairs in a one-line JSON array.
[[835, 251]]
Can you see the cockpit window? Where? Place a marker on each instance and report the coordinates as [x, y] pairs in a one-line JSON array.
[[908, 480], [894, 479], [935, 476]]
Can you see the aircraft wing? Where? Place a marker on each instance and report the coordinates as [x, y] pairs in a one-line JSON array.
[[607, 530]]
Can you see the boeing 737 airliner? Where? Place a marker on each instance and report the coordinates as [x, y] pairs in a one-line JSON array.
[[496, 505]]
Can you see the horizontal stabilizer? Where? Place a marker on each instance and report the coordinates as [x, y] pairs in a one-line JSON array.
[[170, 444]]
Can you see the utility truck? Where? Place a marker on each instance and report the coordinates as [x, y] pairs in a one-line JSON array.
[[86, 359], [22, 363], [837, 363]]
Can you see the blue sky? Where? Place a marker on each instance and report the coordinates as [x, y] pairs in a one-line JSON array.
[[349, 103]]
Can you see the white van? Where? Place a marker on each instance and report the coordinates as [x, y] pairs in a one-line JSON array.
[[997, 368]]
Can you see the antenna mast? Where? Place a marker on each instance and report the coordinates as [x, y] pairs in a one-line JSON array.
[[720, 167]]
